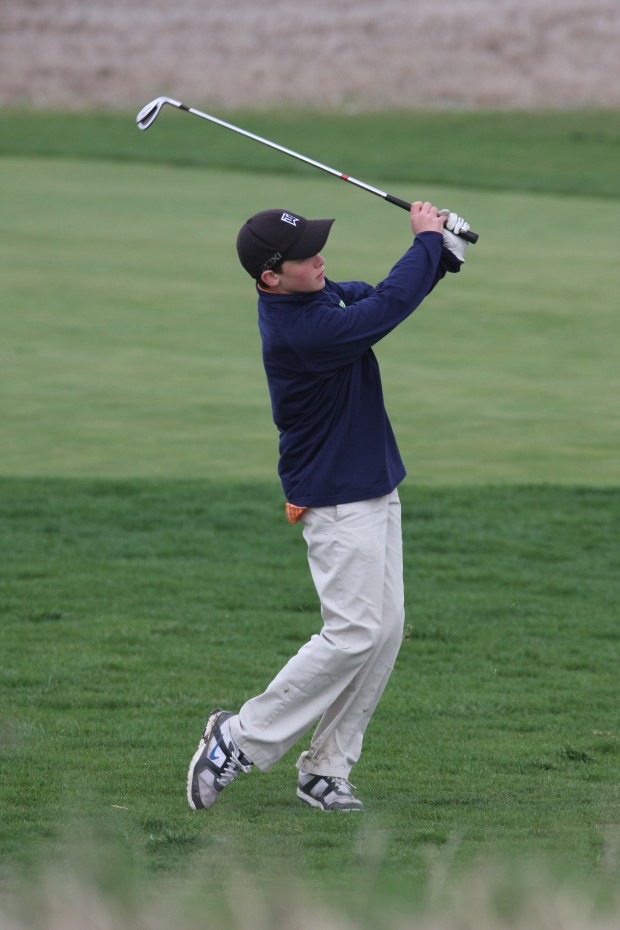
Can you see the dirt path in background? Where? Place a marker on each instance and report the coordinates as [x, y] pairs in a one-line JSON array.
[[351, 53]]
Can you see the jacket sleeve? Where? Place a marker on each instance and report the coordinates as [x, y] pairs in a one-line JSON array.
[[333, 336]]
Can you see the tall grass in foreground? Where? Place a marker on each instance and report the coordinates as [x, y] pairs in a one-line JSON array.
[[104, 894]]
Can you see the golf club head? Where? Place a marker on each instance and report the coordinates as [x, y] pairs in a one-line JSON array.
[[149, 113]]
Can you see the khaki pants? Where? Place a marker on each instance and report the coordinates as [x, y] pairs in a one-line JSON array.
[[355, 556]]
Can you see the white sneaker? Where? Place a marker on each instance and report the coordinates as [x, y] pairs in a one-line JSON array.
[[217, 761], [327, 793]]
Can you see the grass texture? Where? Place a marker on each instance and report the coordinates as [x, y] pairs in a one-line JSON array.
[[132, 608], [571, 152], [147, 572], [130, 348]]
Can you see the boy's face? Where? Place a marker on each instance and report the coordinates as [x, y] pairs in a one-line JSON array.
[[298, 276]]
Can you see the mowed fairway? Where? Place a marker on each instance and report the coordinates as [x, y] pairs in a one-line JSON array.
[[130, 346], [147, 572]]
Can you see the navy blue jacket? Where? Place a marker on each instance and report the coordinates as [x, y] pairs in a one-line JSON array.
[[336, 441]]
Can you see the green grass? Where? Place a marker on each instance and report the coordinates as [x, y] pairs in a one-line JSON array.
[[570, 152], [129, 609], [147, 572], [130, 348]]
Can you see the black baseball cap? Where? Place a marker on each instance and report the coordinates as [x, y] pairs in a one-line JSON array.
[[273, 236]]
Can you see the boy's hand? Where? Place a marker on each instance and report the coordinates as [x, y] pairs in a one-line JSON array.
[[425, 218]]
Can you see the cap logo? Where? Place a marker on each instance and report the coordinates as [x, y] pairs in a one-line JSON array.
[[291, 220], [268, 265]]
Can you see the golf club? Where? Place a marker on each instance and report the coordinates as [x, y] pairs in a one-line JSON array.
[[149, 113]]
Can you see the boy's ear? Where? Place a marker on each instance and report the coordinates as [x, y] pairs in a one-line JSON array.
[[270, 278]]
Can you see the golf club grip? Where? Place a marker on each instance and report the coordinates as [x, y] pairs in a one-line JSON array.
[[469, 235]]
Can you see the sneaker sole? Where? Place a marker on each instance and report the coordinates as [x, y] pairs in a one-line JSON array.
[[315, 802], [206, 736]]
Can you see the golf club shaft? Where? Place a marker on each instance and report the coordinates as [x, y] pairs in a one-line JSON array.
[[148, 114]]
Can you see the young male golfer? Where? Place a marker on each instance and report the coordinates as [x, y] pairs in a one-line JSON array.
[[340, 468]]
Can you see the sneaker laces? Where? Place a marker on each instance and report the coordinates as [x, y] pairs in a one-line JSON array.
[[345, 784], [232, 767]]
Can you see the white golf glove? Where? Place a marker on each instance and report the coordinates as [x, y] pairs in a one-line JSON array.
[[451, 239]]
